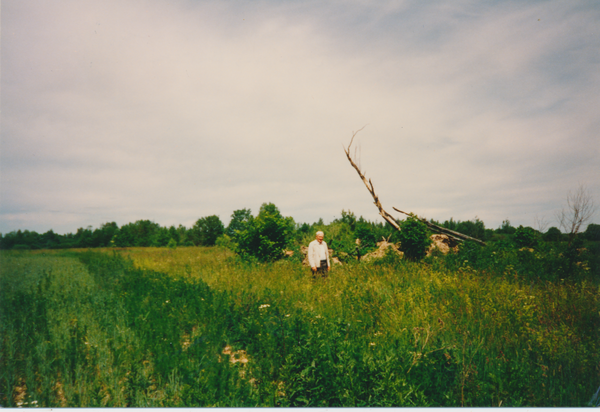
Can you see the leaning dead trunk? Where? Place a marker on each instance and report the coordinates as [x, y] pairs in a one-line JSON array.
[[439, 229], [389, 218]]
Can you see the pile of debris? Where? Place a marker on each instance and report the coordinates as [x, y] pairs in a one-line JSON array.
[[382, 248], [443, 243]]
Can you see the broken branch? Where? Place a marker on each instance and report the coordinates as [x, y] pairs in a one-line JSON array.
[[389, 218], [443, 230]]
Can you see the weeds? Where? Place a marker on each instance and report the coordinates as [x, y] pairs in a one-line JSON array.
[[197, 327]]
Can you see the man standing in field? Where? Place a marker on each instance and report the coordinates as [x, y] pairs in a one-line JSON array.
[[318, 255]]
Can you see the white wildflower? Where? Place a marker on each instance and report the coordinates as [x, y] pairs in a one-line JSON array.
[[266, 305]]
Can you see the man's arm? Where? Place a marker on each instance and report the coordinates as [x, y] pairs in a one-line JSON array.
[[311, 261]]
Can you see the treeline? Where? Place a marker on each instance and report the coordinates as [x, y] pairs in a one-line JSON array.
[[341, 234], [476, 228], [141, 233]]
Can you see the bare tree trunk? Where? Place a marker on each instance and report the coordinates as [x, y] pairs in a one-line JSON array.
[[389, 218], [439, 229]]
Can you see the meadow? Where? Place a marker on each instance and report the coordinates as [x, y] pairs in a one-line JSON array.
[[197, 326]]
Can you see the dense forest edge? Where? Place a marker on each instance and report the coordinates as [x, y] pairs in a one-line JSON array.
[[558, 255]]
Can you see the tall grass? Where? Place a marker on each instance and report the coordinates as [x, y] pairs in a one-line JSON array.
[[197, 327]]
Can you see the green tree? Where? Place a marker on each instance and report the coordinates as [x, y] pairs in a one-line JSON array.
[[84, 237], [348, 218], [506, 228], [450, 224], [103, 235], [592, 232], [238, 222], [526, 237], [138, 234], [474, 228], [206, 230], [367, 236], [265, 237], [50, 240], [161, 237], [183, 236], [553, 235], [125, 237], [414, 238]]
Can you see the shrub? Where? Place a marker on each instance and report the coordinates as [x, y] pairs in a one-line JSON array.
[[266, 236], [225, 241], [553, 235], [238, 222], [592, 232], [368, 241], [525, 237], [506, 228], [414, 238], [474, 228]]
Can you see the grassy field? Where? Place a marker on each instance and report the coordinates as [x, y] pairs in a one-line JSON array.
[[198, 327]]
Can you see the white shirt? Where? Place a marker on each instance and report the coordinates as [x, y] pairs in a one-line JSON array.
[[317, 252]]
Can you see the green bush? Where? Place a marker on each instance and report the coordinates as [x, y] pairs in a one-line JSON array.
[[265, 237], [238, 222], [592, 232], [474, 228], [225, 241], [525, 237], [368, 241], [553, 235], [414, 238]]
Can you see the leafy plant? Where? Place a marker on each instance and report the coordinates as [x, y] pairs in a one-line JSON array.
[[414, 238], [525, 237], [265, 237], [592, 233], [206, 230], [553, 235], [239, 219]]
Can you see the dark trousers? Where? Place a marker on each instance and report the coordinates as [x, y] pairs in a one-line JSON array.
[[322, 270]]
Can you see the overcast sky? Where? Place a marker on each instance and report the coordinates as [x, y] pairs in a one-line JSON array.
[[172, 110]]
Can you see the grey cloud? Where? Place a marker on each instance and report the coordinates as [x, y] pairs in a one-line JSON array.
[[176, 110]]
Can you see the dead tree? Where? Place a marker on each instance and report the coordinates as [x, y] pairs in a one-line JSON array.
[[459, 237], [580, 209], [439, 229], [389, 218]]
